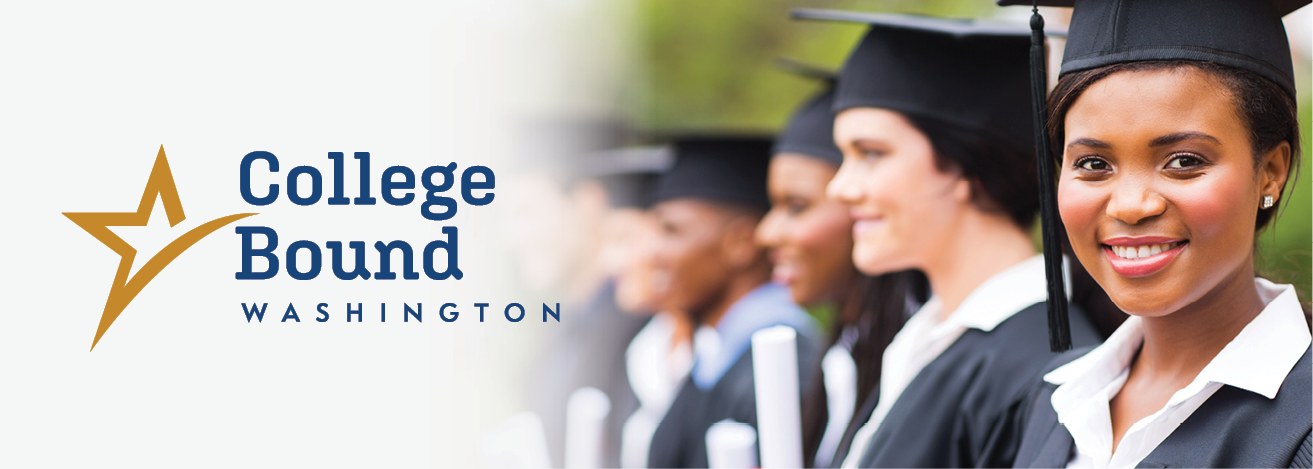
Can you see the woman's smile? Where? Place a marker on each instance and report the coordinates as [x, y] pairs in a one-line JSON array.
[[1142, 256]]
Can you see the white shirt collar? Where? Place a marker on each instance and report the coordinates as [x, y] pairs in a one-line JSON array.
[[1000, 297], [1257, 359], [923, 338]]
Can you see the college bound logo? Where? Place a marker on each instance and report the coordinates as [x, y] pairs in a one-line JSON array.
[[160, 184]]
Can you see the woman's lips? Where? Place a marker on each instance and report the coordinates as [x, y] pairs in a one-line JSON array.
[[866, 225], [1139, 257]]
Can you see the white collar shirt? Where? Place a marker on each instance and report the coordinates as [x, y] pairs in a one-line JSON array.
[[925, 337], [1257, 360]]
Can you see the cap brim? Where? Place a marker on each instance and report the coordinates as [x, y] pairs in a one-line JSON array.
[[806, 69], [631, 160], [1283, 7], [951, 27]]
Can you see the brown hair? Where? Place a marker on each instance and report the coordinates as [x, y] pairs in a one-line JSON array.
[[1003, 178], [1266, 110]]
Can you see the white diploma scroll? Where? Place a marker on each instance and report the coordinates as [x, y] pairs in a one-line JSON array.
[[731, 445], [779, 420], [585, 428]]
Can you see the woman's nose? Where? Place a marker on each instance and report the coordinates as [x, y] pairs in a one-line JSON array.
[[1134, 201]]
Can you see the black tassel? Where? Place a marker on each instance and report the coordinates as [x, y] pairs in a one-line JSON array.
[[1059, 329]]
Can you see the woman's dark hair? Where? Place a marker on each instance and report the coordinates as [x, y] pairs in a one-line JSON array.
[[876, 307], [1266, 110], [1008, 179], [1003, 178]]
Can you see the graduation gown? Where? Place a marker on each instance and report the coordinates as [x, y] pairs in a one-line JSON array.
[[681, 439], [961, 410], [1233, 428]]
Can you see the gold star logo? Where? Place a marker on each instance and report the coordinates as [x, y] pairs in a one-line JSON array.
[[160, 184]]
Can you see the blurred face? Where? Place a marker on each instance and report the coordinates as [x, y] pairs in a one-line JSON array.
[[809, 236], [903, 207], [1159, 189], [543, 257], [693, 257], [635, 287]]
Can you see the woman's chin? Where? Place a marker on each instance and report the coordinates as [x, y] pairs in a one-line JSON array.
[[1145, 303], [871, 262]]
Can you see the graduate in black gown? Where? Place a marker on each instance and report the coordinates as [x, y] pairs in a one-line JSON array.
[[939, 175], [810, 239], [613, 187], [1176, 131], [708, 206]]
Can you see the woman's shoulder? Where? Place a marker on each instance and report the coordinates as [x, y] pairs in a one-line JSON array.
[[1239, 428], [1022, 340], [1004, 365]]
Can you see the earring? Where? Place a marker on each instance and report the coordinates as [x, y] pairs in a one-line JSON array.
[[1268, 202]]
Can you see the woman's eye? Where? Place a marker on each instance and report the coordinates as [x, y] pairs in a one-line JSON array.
[[1093, 164], [796, 207], [1183, 162], [872, 154]]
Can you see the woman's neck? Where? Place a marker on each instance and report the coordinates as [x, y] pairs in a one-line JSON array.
[[1179, 345], [981, 246]]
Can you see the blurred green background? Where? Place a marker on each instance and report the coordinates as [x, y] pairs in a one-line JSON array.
[[713, 64]]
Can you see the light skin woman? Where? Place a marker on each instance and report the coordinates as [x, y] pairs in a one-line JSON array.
[[910, 212], [1160, 159]]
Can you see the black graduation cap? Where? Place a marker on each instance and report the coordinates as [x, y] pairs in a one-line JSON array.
[[1246, 34], [718, 168], [963, 72], [810, 130], [628, 174]]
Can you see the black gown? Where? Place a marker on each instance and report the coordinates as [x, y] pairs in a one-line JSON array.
[[1233, 428], [961, 409], [681, 438]]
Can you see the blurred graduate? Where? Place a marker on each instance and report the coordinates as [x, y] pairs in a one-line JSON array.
[[1176, 132], [810, 242], [939, 174], [602, 196], [710, 268]]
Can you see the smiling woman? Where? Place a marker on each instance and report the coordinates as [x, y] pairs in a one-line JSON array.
[[1177, 141], [1156, 179]]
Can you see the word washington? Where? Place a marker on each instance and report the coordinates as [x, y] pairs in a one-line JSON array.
[[513, 312]]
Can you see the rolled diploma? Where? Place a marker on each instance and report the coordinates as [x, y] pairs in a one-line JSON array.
[[585, 427], [731, 445], [775, 373]]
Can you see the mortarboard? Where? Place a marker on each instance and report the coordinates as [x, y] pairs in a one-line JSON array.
[[718, 168], [627, 174], [1246, 34], [810, 130], [966, 73]]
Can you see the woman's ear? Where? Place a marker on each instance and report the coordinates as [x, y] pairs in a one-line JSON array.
[[963, 189], [1273, 171]]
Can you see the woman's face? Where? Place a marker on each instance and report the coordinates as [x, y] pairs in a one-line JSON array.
[[903, 207], [809, 237], [1159, 189]]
